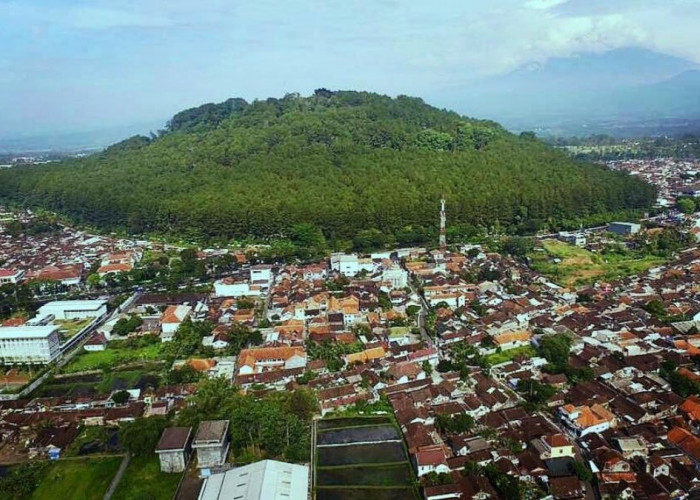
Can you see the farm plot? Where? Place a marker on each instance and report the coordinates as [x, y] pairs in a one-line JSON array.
[[360, 458], [364, 434], [361, 454]]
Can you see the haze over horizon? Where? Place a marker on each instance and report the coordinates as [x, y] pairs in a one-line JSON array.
[[74, 65]]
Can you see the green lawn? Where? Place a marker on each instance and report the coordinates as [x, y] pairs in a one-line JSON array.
[[503, 356], [82, 479], [69, 327], [143, 479], [578, 266], [111, 357]]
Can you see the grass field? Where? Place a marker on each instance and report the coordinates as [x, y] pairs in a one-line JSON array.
[[578, 266], [361, 454], [143, 479], [111, 357], [82, 479], [365, 475], [367, 493], [503, 356]]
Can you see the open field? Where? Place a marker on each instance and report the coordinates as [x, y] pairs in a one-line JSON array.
[[143, 479], [578, 266], [361, 454], [503, 356], [80, 479], [89, 385], [111, 357]]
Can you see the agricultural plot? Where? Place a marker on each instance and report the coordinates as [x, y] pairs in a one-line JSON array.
[[361, 454], [364, 434], [359, 458]]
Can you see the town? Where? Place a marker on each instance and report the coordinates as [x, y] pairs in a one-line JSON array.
[[562, 366]]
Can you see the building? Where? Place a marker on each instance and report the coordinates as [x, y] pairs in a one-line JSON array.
[[13, 276], [211, 443], [229, 287], [624, 228], [396, 276], [29, 344], [261, 274], [553, 446], [96, 342], [587, 419], [252, 361], [350, 265], [174, 448], [172, 319], [73, 309], [577, 239], [264, 480]]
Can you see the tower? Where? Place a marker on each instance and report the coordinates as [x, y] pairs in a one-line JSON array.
[[443, 218]]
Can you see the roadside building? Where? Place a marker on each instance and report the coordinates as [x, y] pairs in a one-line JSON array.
[[174, 448]]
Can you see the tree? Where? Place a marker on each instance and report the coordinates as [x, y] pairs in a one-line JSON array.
[[427, 367], [686, 205], [141, 436], [121, 397], [518, 246], [582, 471], [555, 348]]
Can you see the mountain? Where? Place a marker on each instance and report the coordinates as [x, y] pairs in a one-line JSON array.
[[335, 166], [586, 92]]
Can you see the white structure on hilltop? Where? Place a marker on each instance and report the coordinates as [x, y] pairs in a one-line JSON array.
[[264, 480], [73, 309], [29, 344]]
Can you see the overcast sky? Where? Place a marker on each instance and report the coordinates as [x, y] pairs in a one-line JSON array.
[[82, 64]]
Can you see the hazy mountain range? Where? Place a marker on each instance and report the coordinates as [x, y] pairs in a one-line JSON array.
[[623, 92]]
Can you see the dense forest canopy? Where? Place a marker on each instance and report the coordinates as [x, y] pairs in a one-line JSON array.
[[334, 165]]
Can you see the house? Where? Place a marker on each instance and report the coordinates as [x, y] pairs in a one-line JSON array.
[[261, 274], [511, 340], [264, 480], [103, 271], [173, 449], [587, 419], [211, 443], [96, 342], [566, 488], [172, 319], [429, 459], [365, 356], [252, 361], [67, 275], [553, 446], [13, 276], [230, 287]]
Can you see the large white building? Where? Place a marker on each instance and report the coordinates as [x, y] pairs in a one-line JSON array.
[[396, 276], [13, 276], [73, 309], [264, 480], [350, 265], [29, 344]]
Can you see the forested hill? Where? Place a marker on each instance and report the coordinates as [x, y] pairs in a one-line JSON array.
[[347, 163]]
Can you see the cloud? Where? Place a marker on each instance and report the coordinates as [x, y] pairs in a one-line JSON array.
[[543, 4]]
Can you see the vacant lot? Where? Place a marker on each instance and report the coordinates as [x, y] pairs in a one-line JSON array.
[[569, 265], [361, 454], [503, 356], [143, 479], [111, 357], [81, 479], [358, 435]]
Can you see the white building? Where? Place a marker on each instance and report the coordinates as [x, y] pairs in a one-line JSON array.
[[264, 480], [230, 288], [73, 309], [350, 265], [261, 273], [172, 319], [29, 344], [624, 228], [13, 276], [396, 276]]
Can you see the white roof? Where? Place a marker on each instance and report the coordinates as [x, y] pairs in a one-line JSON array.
[[265, 480], [75, 304], [24, 332]]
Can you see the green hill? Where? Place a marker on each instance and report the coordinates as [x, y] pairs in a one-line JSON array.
[[344, 164]]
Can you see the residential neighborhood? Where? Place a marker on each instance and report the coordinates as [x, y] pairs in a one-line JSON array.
[[467, 371]]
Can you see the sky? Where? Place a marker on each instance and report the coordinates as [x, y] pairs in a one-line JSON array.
[[76, 65]]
